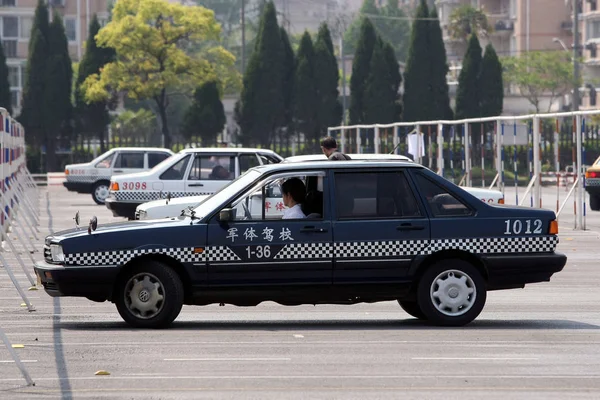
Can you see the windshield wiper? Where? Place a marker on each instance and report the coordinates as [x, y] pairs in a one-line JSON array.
[[189, 212]]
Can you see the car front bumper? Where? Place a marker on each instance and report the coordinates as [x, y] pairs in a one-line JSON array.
[[121, 209], [516, 270], [79, 187], [89, 281]]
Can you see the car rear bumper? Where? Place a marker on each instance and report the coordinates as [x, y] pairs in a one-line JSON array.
[[121, 209], [88, 281], [79, 187], [517, 270]]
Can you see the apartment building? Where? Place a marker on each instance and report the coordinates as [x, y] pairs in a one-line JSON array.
[[589, 35], [16, 19]]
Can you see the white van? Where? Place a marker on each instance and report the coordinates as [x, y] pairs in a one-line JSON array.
[[94, 177]]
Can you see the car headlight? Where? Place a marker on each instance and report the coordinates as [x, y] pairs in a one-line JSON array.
[[56, 251]]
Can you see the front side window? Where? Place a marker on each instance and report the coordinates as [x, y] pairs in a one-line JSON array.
[[177, 171], [106, 161], [133, 160], [374, 195], [213, 168], [440, 201]]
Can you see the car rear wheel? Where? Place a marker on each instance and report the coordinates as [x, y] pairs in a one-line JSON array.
[[150, 295], [451, 293], [412, 308], [100, 192], [595, 203]]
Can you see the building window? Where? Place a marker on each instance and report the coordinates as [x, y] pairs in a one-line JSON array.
[[26, 24], [10, 27], [14, 76], [593, 5], [594, 29], [71, 29], [15, 96], [8, 3]]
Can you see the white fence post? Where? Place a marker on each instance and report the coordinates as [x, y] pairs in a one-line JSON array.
[[537, 167], [440, 144], [579, 191], [376, 140]]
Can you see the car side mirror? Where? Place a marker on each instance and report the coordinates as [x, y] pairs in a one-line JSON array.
[[227, 214]]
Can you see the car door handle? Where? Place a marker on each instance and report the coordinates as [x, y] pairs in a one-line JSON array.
[[409, 227], [313, 229], [118, 170], [195, 184]]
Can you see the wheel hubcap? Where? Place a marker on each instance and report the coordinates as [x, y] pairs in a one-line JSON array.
[[144, 295], [101, 193], [453, 293]]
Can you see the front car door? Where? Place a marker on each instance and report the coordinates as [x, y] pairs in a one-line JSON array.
[[258, 247], [379, 226], [209, 173]]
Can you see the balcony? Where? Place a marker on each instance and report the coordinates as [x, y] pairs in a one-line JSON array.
[[566, 26], [504, 26]]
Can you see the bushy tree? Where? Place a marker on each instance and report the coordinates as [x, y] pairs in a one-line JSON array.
[[5, 98], [262, 106], [306, 98], [491, 84], [360, 70], [381, 92], [92, 118], [468, 95], [327, 77], [439, 71], [289, 65], [205, 118]]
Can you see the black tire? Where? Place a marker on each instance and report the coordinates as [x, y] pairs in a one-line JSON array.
[[167, 284], [595, 203], [412, 308], [99, 186], [456, 293]]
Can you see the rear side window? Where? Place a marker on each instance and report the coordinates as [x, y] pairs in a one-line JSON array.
[[213, 168], [133, 160], [374, 195], [440, 201], [156, 158], [248, 161], [176, 172]]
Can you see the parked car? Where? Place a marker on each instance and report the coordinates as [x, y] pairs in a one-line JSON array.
[[592, 184], [94, 177], [173, 207], [374, 231], [191, 172]]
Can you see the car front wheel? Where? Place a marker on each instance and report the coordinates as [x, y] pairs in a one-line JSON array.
[[100, 192], [150, 295], [412, 308], [451, 293]]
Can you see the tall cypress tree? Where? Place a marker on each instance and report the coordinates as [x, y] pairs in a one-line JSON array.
[[468, 95], [92, 118], [327, 77], [5, 97], [417, 99], [262, 98], [288, 81], [305, 90], [395, 79], [490, 83], [360, 70], [57, 93], [439, 71], [32, 115], [206, 115]]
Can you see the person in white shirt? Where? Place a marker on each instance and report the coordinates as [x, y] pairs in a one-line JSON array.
[[293, 193]]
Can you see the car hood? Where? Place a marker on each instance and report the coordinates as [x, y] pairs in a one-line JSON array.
[[482, 191], [75, 166]]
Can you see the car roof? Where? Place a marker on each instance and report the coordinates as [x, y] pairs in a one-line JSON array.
[[142, 149], [374, 157], [226, 150], [327, 164]]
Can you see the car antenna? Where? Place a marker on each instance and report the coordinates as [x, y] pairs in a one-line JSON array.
[[395, 147], [76, 220]]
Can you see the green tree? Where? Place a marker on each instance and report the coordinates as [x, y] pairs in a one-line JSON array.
[[5, 97], [32, 115], [395, 80], [540, 74], [360, 70], [465, 20], [468, 95], [390, 22], [327, 77], [92, 118], [151, 39], [262, 109], [305, 90], [417, 99], [440, 97], [289, 67], [491, 84], [381, 94], [205, 118], [134, 125]]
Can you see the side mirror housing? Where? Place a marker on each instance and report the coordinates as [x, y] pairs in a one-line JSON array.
[[227, 214]]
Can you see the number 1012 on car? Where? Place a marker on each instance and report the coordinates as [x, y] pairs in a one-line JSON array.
[[527, 226], [259, 252]]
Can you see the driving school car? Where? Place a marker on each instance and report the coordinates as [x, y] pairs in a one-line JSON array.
[[94, 177], [174, 207], [194, 171], [374, 231]]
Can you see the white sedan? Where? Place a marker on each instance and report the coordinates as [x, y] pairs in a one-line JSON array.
[[166, 208]]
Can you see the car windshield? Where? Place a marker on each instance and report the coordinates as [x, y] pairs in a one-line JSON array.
[[226, 192]]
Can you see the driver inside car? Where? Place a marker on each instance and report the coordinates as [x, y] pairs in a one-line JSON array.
[[293, 194]]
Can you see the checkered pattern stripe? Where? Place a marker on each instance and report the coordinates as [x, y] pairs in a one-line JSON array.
[[525, 244], [304, 251], [392, 248], [220, 253], [183, 254], [592, 182], [148, 196], [86, 178]]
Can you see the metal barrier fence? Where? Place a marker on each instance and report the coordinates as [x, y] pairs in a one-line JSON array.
[[19, 214], [467, 150]]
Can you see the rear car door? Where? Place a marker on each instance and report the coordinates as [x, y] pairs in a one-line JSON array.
[[209, 173], [264, 249], [129, 162], [379, 226]]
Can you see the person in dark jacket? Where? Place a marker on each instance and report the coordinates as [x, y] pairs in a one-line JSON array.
[[329, 147]]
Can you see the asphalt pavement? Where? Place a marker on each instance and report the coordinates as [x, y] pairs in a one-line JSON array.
[[541, 342]]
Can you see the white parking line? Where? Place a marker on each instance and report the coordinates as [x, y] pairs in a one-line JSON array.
[[475, 358], [227, 359], [23, 361]]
